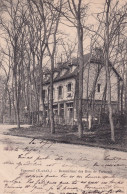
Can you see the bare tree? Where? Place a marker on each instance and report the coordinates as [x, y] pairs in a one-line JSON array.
[[107, 68], [15, 15], [50, 19], [111, 25], [55, 19], [76, 13]]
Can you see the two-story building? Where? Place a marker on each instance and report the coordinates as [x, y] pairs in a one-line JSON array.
[[65, 89]]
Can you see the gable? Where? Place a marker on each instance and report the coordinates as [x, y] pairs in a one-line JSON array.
[[94, 81]]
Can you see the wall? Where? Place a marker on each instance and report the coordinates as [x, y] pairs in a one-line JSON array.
[[89, 74], [89, 78], [64, 96]]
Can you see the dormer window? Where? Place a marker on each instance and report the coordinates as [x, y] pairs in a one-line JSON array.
[[55, 75], [46, 77], [63, 71], [98, 88], [72, 68]]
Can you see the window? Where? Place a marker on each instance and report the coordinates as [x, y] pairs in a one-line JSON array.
[[60, 90], [62, 110], [69, 87], [53, 93], [70, 105], [38, 88], [55, 109], [98, 87], [70, 110], [43, 94]]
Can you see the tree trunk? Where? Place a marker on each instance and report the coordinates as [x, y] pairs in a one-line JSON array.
[[16, 96], [103, 102], [41, 92], [109, 98], [51, 99], [81, 64], [16, 103], [125, 92], [9, 98], [107, 68], [35, 89], [118, 90]]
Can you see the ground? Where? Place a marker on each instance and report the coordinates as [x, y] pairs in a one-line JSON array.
[[100, 137], [39, 166]]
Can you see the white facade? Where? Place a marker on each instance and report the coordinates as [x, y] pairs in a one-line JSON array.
[[64, 90], [66, 95], [89, 79]]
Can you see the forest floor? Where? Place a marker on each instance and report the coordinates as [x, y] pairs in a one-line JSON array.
[[37, 166], [63, 134]]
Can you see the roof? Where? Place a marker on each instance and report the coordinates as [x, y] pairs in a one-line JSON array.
[[116, 72], [72, 74]]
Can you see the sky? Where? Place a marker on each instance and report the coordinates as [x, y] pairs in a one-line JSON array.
[[95, 6]]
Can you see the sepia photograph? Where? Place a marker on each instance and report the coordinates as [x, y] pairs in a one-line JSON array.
[[63, 97]]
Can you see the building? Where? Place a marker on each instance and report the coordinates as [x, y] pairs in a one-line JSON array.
[[65, 89]]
